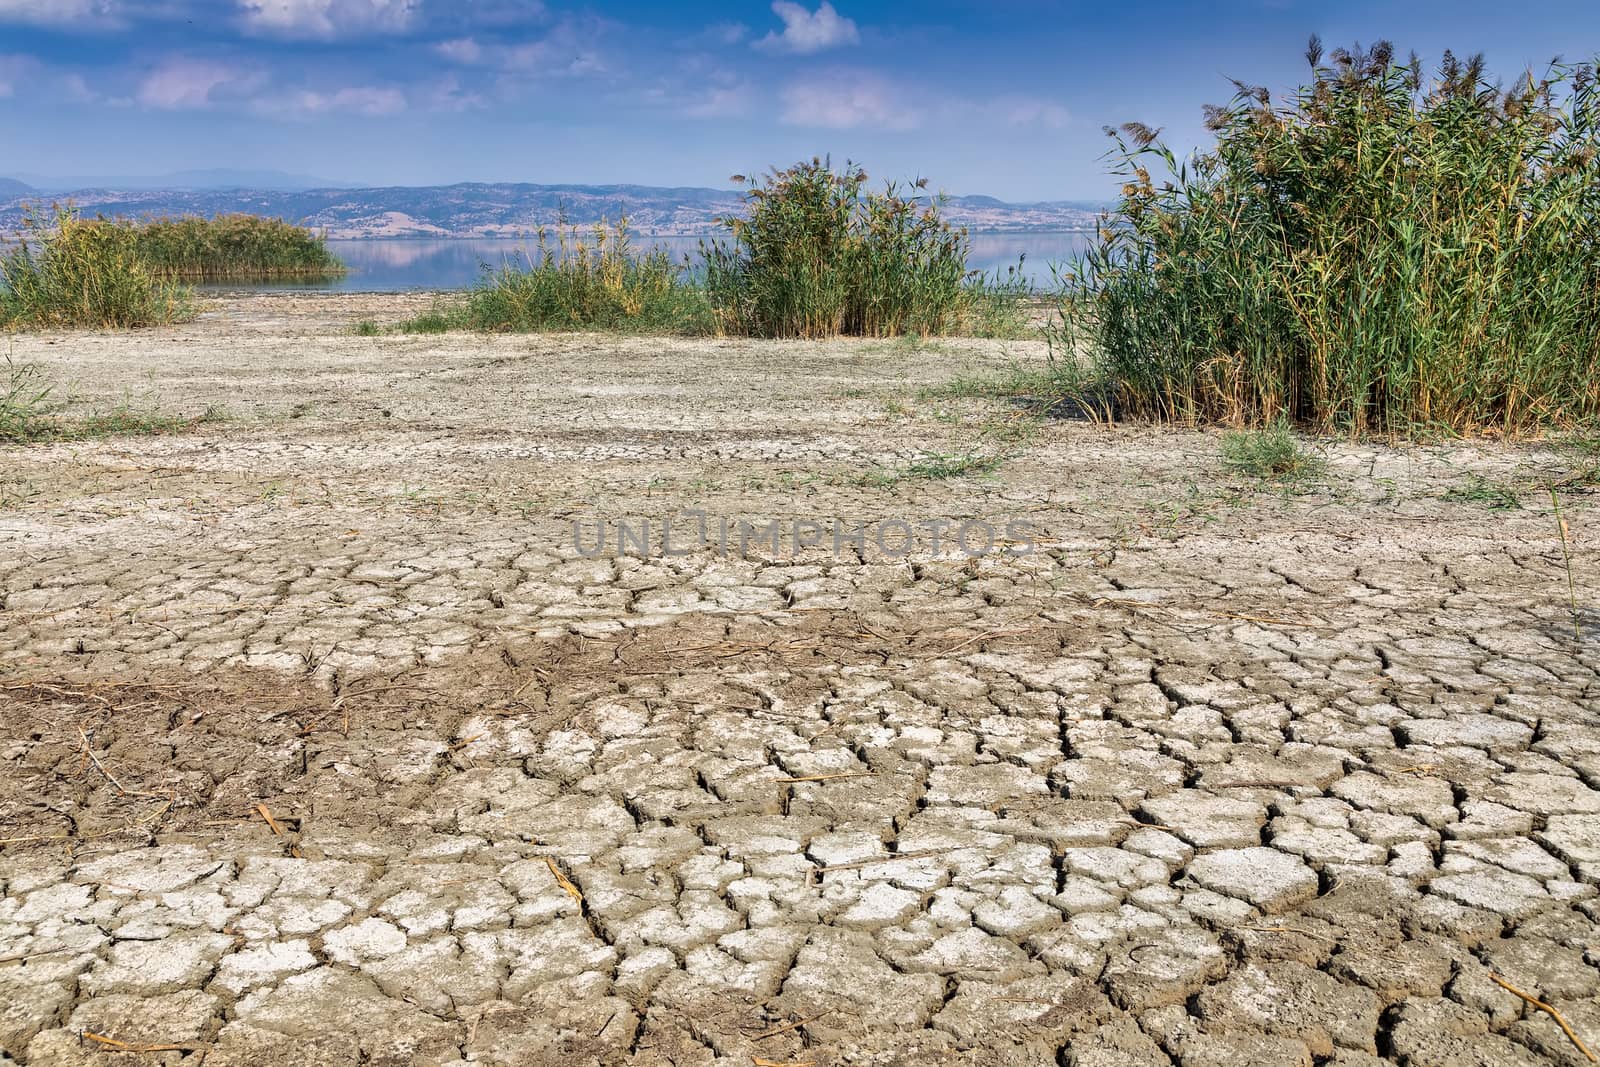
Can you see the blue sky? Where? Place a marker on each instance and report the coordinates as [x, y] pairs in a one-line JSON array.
[[1003, 97]]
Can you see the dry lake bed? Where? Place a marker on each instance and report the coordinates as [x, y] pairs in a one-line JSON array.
[[325, 740]]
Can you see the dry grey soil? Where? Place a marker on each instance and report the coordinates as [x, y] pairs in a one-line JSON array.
[[322, 744]]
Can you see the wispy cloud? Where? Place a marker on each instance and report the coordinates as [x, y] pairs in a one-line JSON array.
[[12, 70], [806, 31], [448, 94], [847, 101], [463, 50], [722, 102], [568, 48], [63, 12], [185, 84], [356, 100], [328, 18], [1029, 111], [726, 33]]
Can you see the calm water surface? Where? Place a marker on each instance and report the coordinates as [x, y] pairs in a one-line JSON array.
[[390, 265]]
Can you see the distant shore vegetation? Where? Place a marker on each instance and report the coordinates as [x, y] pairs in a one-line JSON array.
[[235, 247], [70, 272]]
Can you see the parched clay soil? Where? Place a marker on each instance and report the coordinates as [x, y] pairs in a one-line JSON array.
[[322, 742]]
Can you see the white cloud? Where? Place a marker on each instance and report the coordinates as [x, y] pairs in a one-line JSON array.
[[461, 50], [447, 94], [848, 101], [1030, 111], [807, 31], [14, 69], [567, 49], [328, 18], [56, 11], [726, 33], [181, 84], [726, 101], [357, 100]]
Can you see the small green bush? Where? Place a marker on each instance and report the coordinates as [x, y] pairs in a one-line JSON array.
[[437, 321], [817, 255], [71, 272], [579, 282], [1383, 253]]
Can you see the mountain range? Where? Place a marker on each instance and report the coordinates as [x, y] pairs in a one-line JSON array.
[[476, 209]]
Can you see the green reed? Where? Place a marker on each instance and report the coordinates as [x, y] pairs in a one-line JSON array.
[[236, 247], [817, 254], [576, 279], [1385, 252], [71, 272]]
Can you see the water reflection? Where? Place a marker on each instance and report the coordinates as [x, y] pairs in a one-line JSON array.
[[428, 263]]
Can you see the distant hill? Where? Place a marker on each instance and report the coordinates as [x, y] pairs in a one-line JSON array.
[[10, 187], [478, 209], [183, 180]]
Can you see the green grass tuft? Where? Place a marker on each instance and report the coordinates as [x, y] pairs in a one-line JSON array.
[[26, 414], [1480, 490], [439, 320], [589, 281], [24, 399], [1273, 453]]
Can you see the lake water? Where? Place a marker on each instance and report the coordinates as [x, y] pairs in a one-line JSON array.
[[391, 265]]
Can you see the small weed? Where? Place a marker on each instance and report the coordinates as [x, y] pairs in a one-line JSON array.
[[939, 465], [929, 467], [24, 396], [1001, 305], [1014, 383], [1480, 490], [14, 492], [1566, 559], [366, 328], [1273, 453], [25, 418], [126, 421], [1019, 429], [433, 322]]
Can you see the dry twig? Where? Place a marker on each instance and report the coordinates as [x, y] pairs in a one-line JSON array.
[[1548, 1010]]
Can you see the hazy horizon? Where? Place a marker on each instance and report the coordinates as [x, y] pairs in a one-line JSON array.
[[1005, 101]]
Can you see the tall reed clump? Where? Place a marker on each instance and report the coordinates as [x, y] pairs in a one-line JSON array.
[[72, 272], [1386, 252], [818, 255], [597, 281], [232, 247]]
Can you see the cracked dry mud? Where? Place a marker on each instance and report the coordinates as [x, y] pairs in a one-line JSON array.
[[321, 744]]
